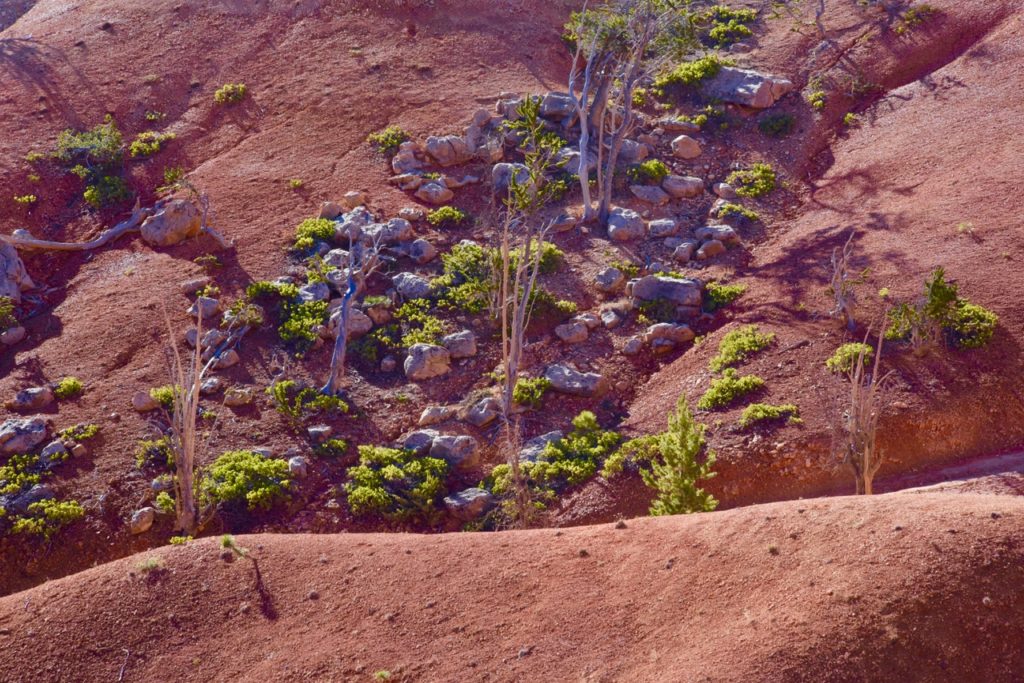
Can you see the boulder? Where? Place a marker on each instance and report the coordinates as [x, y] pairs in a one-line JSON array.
[[449, 150], [611, 280], [483, 412], [319, 434], [502, 174], [33, 398], [394, 231], [426, 361], [315, 291], [353, 199], [14, 279], [469, 504], [174, 221], [591, 320], [569, 161], [410, 285], [663, 227], [567, 380], [298, 467], [238, 396], [12, 335], [725, 234], [22, 435], [432, 415], [434, 192], [681, 187], [142, 520], [572, 332], [407, 158], [686, 147], [336, 258], [564, 222], [407, 182], [625, 225], [710, 249], [557, 106], [18, 503], [420, 441], [330, 210], [412, 213], [725, 191], [652, 194], [228, 359], [534, 448], [358, 324], [633, 346], [632, 152], [684, 251], [746, 87], [211, 386], [461, 344], [420, 251], [460, 452], [680, 291], [53, 454], [205, 307], [678, 126], [610, 318], [143, 402], [677, 334], [476, 133]]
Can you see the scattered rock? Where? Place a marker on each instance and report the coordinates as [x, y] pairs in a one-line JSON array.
[[483, 412], [53, 454], [557, 106], [710, 249], [393, 232], [319, 434], [502, 174], [633, 346], [14, 278], [625, 225], [174, 221], [426, 361], [461, 344], [238, 396], [460, 452], [411, 286], [331, 210], [420, 441], [567, 380], [681, 187], [745, 87], [610, 280], [534, 448], [18, 504], [652, 194], [677, 334], [210, 386], [412, 213], [190, 287], [572, 332], [298, 467], [229, 358], [632, 152], [388, 364], [204, 307], [686, 147], [434, 414], [33, 398], [435, 193], [725, 191], [610, 318], [142, 520], [315, 291], [353, 199], [564, 222], [420, 251], [678, 126], [663, 227], [449, 150], [407, 158], [680, 291], [589, 319], [469, 504], [143, 402], [725, 234], [12, 335], [684, 252]]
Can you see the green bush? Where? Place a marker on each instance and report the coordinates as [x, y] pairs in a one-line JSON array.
[[728, 24], [777, 125], [164, 396], [238, 477], [973, 325], [68, 387], [727, 388], [446, 217], [650, 171], [332, 448], [419, 324], [914, 17], [299, 321], [156, 454], [689, 73], [675, 468], [78, 433], [388, 140], [148, 143], [7, 318], [843, 360], [264, 288], [106, 190], [764, 412], [718, 296], [19, 474], [312, 230], [732, 209], [47, 517], [230, 93], [165, 503], [395, 484], [100, 148], [297, 402], [466, 282], [817, 99], [964, 324], [25, 199], [529, 391], [756, 181], [739, 345]]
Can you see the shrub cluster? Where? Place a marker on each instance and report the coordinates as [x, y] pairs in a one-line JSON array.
[[388, 140], [244, 477], [726, 389], [764, 412], [297, 402], [963, 324], [230, 93], [148, 143], [650, 171], [756, 181], [395, 484], [738, 345], [446, 217], [529, 391], [68, 387], [689, 73], [717, 296], [843, 360], [311, 231]]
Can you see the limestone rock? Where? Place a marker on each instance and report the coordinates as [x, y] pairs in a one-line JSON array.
[[572, 332], [681, 187], [420, 441], [435, 193], [330, 210], [22, 435], [633, 346], [483, 412], [461, 344], [632, 152], [678, 126], [725, 191], [238, 396], [680, 291], [502, 174], [426, 361], [725, 234], [663, 227], [174, 221], [394, 231], [534, 448], [566, 380], [12, 335], [710, 249], [434, 414], [611, 280], [353, 199], [686, 147], [14, 279], [625, 225], [449, 150], [410, 285], [206, 307], [677, 334], [33, 398], [684, 251], [298, 467], [420, 251], [142, 520], [746, 87], [469, 504], [652, 194], [557, 106], [407, 158], [460, 452], [143, 402]]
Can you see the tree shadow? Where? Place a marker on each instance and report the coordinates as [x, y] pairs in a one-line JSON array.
[[28, 62]]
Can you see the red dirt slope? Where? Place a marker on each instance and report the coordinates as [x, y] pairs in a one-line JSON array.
[[894, 587]]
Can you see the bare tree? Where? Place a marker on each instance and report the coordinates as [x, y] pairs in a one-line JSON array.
[[860, 420], [364, 259], [842, 284]]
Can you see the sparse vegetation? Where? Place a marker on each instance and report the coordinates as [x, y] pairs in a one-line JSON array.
[[79, 433], [850, 119], [650, 171], [728, 24], [731, 209], [297, 402], [154, 454], [446, 217], [68, 388], [915, 16], [757, 413], [25, 199], [244, 477], [164, 396], [530, 391], [395, 484], [388, 140], [676, 466], [296, 184], [941, 311], [718, 296], [230, 93], [148, 143], [46, 517], [7, 317], [738, 345], [843, 360], [777, 125], [689, 73], [728, 388], [311, 231], [756, 181]]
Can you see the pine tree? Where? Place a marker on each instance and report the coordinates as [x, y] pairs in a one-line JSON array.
[[675, 473]]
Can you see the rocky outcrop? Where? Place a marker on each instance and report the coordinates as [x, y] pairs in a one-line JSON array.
[[746, 87], [426, 361], [567, 380], [173, 222], [22, 436], [625, 225]]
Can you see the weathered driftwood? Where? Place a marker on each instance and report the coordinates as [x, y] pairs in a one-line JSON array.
[[129, 225]]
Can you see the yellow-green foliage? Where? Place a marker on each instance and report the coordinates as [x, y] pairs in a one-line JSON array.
[[689, 73], [244, 477], [165, 503], [105, 190], [728, 24], [395, 484], [446, 217], [80, 432], [764, 412], [99, 148], [164, 396], [310, 231], [296, 402], [733, 209], [47, 517], [69, 387], [332, 448], [726, 389], [388, 140], [739, 345], [299, 321], [296, 184], [650, 171], [964, 324], [756, 181], [230, 93], [19, 474], [155, 454], [26, 199], [676, 466], [179, 540], [718, 296], [420, 326], [148, 143], [817, 99], [843, 360], [914, 17], [530, 391], [7, 318]]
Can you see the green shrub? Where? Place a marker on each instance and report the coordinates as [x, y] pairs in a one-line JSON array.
[[154, 116], [68, 387], [238, 477], [99, 148], [650, 171], [264, 288], [914, 17], [165, 503], [717, 296], [79, 433], [419, 324], [230, 93], [764, 412], [395, 484], [738, 345], [630, 270], [172, 176], [850, 119], [312, 230], [47, 517], [26, 199], [296, 184], [675, 467], [972, 325], [179, 540], [164, 396], [727, 388], [19, 474], [964, 324], [155, 454], [106, 190], [299, 321], [756, 181], [529, 391], [34, 157], [689, 73], [466, 282], [148, 143], [7, 318], [388, 140], [777, 125], [843, 360], [446, 217], [332, 448], [817, 99], [296, 402], [731, 209]]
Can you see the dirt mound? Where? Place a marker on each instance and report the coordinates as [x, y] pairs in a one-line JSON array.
[[893, 587]]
